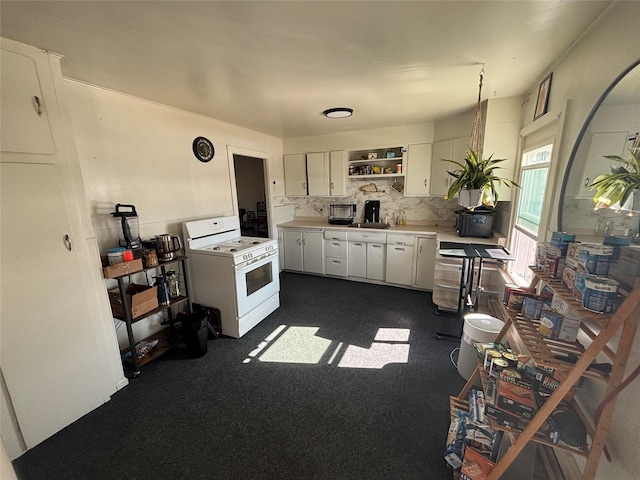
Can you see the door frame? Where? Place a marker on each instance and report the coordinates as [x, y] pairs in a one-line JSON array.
[[264, 156]]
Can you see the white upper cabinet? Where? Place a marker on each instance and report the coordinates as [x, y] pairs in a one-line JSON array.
[[417, 180], [452, 149], [295, 175], [338, 172], [318, 174], [25, 96]]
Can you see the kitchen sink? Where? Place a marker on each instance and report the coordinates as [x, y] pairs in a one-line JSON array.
[[370, 225]]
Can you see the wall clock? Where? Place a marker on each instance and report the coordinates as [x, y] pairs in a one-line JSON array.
[[203, 149]]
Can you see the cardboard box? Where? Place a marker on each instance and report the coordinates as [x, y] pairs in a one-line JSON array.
[[120, 269], [141, 298], [517, 398], [475, 466]]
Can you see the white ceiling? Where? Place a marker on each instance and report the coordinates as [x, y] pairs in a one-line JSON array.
[[275, 66]]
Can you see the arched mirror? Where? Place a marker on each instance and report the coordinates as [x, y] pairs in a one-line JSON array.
[[611, 128]]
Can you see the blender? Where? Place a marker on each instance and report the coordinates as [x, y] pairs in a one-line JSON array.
[[125, 219]]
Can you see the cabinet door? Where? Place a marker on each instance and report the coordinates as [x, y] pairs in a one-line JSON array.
[[24, 114], [52, 361], [313, 252], [399, 264], [418, 170], [295, 175], [358, 259], [338, 173], [318, 174], [425, 263], [292, 242], [452, 149], [376, 261], [602, 143], [439, 176]]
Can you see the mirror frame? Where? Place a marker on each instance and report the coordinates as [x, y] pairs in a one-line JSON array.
[[581, 133]]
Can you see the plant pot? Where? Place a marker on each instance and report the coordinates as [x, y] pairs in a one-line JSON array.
[[470, 198]]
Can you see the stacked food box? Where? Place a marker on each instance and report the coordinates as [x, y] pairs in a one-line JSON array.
[[516, 388]]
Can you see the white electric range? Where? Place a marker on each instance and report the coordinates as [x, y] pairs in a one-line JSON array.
[[238, 275]]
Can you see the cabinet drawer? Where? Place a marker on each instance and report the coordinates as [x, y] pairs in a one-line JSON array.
[[367, 237], [400, 240], [447, 275], [336, 249], [337, 266], [335, 235], [445, 298]]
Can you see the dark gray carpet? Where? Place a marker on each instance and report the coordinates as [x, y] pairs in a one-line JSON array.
[[219, 418]]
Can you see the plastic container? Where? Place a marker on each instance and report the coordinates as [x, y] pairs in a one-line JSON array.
[[115, 255], [194, 332], [478, 328]]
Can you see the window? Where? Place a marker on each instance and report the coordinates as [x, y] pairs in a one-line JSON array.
[[534, 173], [533, 181]]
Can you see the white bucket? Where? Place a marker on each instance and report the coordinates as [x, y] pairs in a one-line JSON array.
[[478, 328]]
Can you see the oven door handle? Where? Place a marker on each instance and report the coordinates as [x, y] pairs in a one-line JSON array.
[[262, 257]]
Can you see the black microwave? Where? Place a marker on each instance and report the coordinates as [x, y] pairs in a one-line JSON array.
[[474, 223]]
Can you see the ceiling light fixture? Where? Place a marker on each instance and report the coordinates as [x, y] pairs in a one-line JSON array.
[[338, 112]]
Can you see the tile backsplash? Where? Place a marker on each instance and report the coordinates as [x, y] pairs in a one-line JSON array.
[[417, 210]]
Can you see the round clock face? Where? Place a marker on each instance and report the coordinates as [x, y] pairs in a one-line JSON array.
[[203, 149]]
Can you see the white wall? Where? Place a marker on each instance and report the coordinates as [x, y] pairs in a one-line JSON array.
[[138, 152]]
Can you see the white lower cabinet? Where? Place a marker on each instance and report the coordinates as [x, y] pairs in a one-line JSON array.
[[304, 251], [400, 252], [367, 254], [336, 253], [397, 259], [425, 262], [375, 261], [357, 259]]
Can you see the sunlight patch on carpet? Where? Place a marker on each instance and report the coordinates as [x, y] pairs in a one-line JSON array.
[[379, 355], [297, 345], [392, 335]]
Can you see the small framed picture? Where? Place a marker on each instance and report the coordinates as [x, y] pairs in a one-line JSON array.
[[372, 156], [543, 97]]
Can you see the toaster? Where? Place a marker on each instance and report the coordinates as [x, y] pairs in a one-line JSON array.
[[474, 223]]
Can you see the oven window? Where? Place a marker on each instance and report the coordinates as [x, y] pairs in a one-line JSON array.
[[258, 278]]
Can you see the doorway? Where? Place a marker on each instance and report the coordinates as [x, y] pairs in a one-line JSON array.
[[252, 199]]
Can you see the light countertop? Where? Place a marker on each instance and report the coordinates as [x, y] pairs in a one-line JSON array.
[[446, 233]]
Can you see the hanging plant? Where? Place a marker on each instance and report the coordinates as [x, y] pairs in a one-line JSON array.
[[476, 174]]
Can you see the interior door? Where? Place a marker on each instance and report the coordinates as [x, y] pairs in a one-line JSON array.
[[48, 346]]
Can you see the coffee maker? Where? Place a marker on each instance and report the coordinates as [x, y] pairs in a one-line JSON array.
[[125, 219]]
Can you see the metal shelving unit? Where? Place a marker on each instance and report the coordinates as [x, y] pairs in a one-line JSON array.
[[168, 337]]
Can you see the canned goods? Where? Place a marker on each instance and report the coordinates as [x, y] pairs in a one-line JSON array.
[[497, 365], [550, 324], [600, 294], [516, 299], [490, 355], [595, 257], [511, 358], [532, 307]]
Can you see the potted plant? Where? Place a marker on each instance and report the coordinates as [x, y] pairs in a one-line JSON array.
[[476, 181], [615, 188]]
